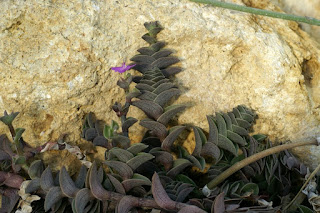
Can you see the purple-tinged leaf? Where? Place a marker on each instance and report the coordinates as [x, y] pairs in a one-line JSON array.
[[226, 144], [53, 196], [195, 162], [164, 158], [163, 87], [227, 120], [46, 180], [236, 138], [160, 195], [105, 206], [149, 39], [231, 207], [126, 204], [146, 51], [162, 53], [95, 185], [144, 87], [213, 131], [166, 95], [142, 67], [196, 202], [83, 197], [33, 186], [5, 145], [132, 95], [155, 85], [165, 62], [247, 117], [198, 141], [121, 154], [90, 134], [13, 180], [152, 109], [117, 185], [81, 178], [291, 162], [183, 194], [4, 156], [121, 140], [35, 170], [146, 95], [128, 123], [239, 130], [210, 150], [122, 168], [233, 118], [157, 46], [137, 147], [243, 123], [157, 128], [178, 166], [237, 113], [221, 123], [170, 139], [90, 119], [9, 198], [67, 185], [138, 160], [169, 113], [171, 71], [144, 59], [249, 171], [131, 183], [218, 205]]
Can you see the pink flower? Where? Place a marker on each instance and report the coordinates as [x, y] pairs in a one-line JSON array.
[[123, 68]]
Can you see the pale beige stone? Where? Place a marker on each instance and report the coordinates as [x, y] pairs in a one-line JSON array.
[[308, 8], [55, 60]]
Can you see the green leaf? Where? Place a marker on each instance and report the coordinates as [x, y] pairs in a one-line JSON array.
[[114, 126], [213, 130], [121, 154], [20, 160], [304, 209], [259, 137], [236, 138], [250, 188], [107, 131], [237, 159], [185, 179], [8, 118], [225, 143], [222, 126], [19, 132]]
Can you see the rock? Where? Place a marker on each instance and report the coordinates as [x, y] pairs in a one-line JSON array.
[[309, 8], [55, 60]]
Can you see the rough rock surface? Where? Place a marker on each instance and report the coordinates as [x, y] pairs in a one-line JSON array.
[[309, 8], [55, 59]]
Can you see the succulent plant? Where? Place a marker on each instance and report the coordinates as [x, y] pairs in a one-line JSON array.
[[158, 174]]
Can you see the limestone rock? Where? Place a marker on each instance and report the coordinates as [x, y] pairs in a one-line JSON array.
[[309, 8], [55, 60]]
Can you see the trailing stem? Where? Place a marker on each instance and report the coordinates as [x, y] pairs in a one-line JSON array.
[[257, 11], [237, 166]]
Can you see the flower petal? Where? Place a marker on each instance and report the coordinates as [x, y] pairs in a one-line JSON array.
[[123, 68]]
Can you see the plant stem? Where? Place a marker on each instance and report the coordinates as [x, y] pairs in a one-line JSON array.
[[304, 185], [257, 11], [239, 165]]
